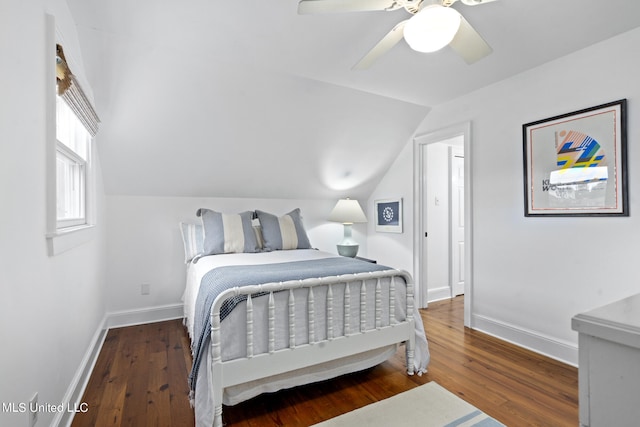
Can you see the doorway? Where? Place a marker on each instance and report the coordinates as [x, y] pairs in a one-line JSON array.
[[442, 215]]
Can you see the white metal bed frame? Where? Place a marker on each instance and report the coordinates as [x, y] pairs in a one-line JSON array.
[[256, 366]]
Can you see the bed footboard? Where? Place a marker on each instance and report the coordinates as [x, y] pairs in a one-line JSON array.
[[335, 299]]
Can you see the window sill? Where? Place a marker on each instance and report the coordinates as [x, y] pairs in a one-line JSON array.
[[65, 239]]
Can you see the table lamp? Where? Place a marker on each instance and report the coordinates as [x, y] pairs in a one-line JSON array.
[[348, 212]]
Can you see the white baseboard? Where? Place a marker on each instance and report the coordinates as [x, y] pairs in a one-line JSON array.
[[438, 294], [118, 319], [111, 320], [74, 393], [556, 349]]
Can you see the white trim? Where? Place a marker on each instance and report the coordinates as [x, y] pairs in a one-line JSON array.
[[419, 247], [437, 294], [50, 125], [76, 389], [64, 239], [562, 351], [119, 319]]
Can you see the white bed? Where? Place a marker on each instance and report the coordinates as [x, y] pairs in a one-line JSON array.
[[250, 358]]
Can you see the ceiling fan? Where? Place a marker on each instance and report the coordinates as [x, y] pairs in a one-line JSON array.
[[434, 25]]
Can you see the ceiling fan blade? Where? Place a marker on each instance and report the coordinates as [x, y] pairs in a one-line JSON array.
[[476, 2], [469, 44], [383, 46], [337, 6]]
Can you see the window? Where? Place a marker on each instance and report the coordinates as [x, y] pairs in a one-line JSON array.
[[72, 125], [73, 149]]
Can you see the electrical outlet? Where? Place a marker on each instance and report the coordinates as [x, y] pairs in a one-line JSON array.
[[33, 410], [145, 289]]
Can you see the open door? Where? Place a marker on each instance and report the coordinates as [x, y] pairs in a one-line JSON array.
[[457, 220]]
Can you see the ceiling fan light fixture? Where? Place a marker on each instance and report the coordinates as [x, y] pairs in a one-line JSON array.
[[432, 28]]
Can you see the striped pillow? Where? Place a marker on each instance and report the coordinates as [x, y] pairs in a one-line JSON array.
[[285, 232], [227, 233], [192, 239], [258, 230]]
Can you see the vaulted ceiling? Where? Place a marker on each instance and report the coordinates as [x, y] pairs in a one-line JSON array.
[[250, 99]]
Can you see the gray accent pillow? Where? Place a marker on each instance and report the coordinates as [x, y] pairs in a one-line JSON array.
[[282, 233], [227, 233]]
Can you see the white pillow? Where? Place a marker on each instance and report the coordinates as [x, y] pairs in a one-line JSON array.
[[192, 239]]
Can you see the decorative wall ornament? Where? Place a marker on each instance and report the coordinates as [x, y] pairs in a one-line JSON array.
[[575, 164], [388, 215], [63, 73]]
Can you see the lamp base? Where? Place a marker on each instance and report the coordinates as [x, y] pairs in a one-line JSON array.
[[348, 250]]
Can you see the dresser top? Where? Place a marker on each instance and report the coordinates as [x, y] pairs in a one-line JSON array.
[[618, 321]]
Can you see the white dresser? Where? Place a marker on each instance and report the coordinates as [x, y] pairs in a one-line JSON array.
[[609, 364]]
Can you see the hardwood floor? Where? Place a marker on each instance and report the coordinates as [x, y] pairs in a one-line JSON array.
[[140, 379]]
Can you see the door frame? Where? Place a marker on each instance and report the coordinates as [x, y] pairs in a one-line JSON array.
[[419, 246]]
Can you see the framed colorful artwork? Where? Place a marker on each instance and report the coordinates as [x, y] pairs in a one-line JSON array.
[[575, 164]]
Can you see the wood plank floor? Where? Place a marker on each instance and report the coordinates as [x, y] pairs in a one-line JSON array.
[[140, 379]]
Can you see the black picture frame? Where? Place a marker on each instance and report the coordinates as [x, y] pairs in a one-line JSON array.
[[575, 164]]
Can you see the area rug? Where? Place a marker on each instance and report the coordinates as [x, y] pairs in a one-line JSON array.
[[429, 405]]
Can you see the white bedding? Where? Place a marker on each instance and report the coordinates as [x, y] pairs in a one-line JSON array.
[[233, 328]]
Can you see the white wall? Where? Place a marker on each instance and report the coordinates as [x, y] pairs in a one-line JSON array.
[[394, 249], [532, 275], [145, 245], [51, 307]]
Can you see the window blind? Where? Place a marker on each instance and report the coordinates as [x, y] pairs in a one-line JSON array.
[[70, 91]]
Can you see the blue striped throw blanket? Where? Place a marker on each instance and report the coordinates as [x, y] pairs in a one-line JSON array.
[[222, 278]]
